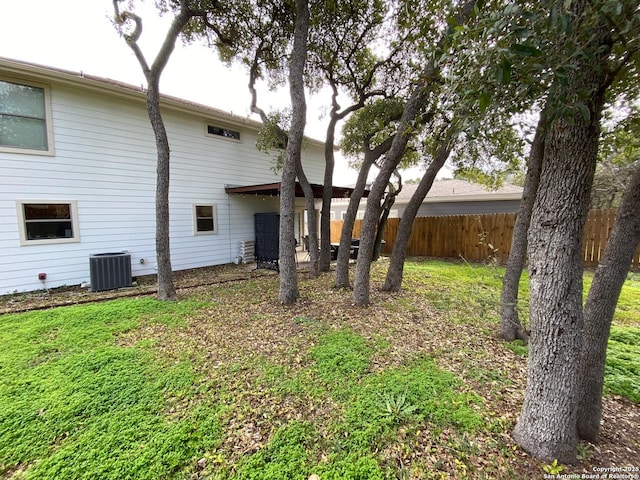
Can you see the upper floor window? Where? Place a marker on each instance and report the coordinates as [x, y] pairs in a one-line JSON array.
[[24, 118], [47, 222], [223, 132], [204, 219]]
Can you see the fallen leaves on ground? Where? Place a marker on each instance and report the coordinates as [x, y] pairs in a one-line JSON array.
[[244, 323]]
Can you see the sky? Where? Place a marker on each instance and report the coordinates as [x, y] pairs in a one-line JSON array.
[[78, 35]]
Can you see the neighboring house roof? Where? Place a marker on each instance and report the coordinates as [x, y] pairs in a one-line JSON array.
[[102, 85], [460, 191], [456, 191]]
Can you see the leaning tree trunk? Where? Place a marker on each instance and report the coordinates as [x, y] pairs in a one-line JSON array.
[[344, 250], [387, 205], [414, 106], [600, 306], [342, 263], [510, 326], [547, 424], [393, 280], [372, 213], [289, 292], [335, 115]]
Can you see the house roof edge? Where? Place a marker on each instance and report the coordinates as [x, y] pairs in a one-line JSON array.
[[101, 84]]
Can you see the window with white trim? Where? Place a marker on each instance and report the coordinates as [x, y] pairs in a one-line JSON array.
[[205, 219], [25, 118], [47, 222], [224, 132]]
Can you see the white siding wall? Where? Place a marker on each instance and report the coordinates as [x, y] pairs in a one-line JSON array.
[[105, 161]]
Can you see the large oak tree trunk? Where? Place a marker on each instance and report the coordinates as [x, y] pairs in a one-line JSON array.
[[289, 292], [600, 306], [546, 427], [547, 424], [510, 325]]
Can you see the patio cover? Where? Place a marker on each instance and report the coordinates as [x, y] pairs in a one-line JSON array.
[[273, 189]]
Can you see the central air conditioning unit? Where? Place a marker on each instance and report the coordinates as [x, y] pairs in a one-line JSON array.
[[110, 271]]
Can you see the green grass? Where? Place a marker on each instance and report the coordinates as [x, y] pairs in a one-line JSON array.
[[129, 388], [470, 293], [627, 308], [338, 373], [74, 404], [77, 405], [465, 293], [622, 371]]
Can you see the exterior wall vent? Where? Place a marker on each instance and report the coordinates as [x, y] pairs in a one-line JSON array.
[[110, 271]]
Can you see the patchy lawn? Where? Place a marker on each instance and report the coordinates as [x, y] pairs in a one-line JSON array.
[[227, 383]]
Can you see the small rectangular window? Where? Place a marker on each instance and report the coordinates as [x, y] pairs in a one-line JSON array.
[[204, 219], [223, 132], [47, 222], [24, 118]]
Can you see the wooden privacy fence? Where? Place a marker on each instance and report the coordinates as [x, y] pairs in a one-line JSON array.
[[482, 237]]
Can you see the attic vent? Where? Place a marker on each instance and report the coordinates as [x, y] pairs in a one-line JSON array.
[[110, 271], [223, 132], [248, 251]]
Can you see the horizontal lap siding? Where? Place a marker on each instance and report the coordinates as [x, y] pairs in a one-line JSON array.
[[201, 167], [105, 160], [95, 140]]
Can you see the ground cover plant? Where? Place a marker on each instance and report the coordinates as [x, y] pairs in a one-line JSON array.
[[226, 383]]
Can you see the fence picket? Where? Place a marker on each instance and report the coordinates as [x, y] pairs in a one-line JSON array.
[[469, 236]]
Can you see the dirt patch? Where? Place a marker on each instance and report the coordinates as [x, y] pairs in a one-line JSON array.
[[144, 285]]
